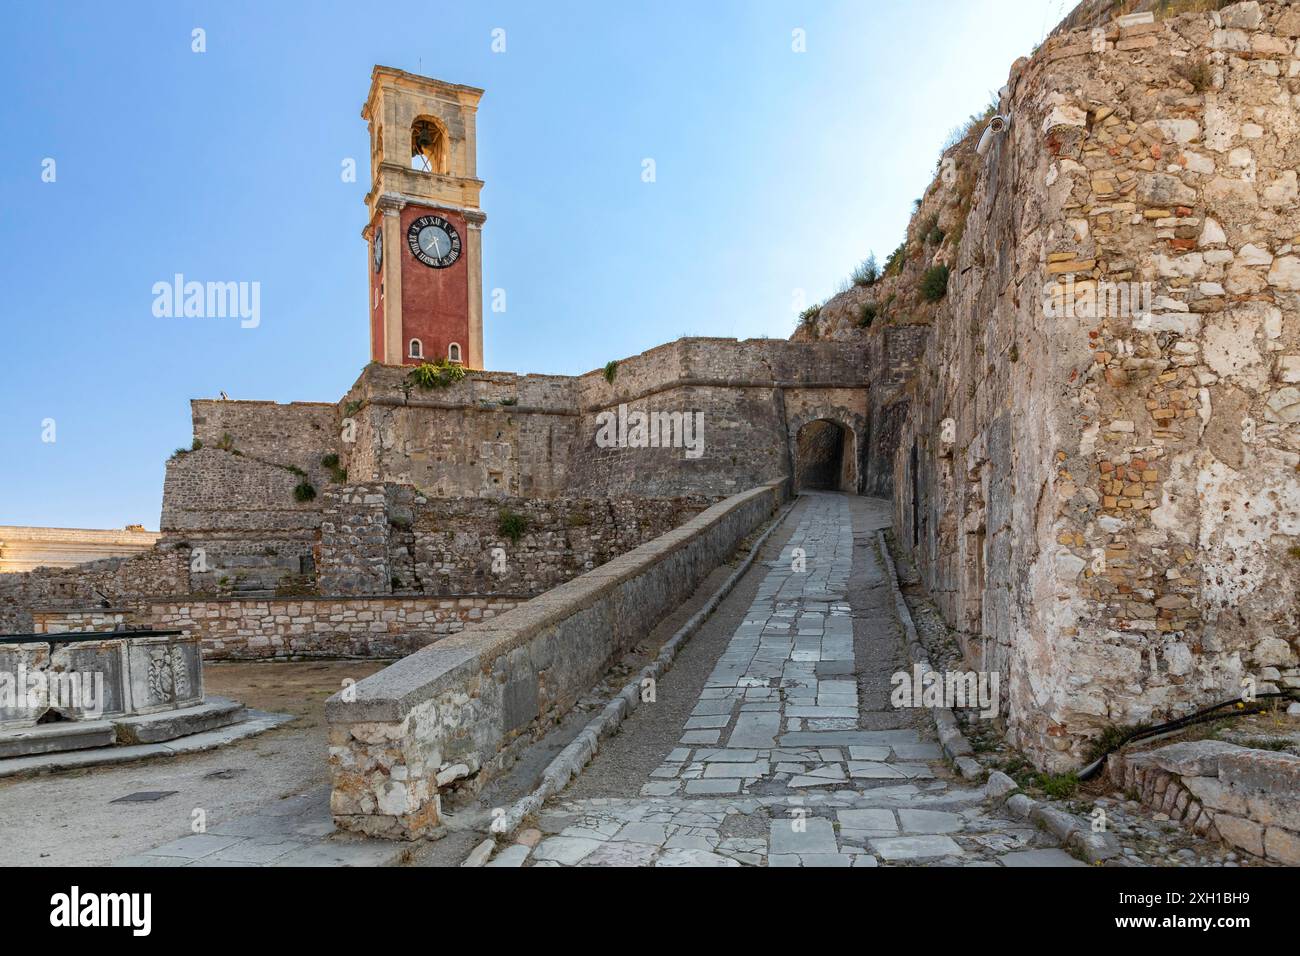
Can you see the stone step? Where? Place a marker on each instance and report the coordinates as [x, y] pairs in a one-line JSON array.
[[213, 713], [252, 723], [56, 737]]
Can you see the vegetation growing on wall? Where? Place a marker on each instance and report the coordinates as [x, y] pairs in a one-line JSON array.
[[337, 471], [439, 374], [934, 283], [511, 524]]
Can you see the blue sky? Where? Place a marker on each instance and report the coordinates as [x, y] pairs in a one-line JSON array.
[[776, 171]]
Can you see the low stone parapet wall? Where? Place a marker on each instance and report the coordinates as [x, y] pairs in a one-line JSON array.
[[455, 707], [269, 628], [1246, 797]]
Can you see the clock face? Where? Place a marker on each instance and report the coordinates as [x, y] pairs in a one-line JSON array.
[[434, 241], [379, 248]]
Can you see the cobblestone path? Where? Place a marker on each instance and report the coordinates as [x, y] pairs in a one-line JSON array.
[[792, 754]]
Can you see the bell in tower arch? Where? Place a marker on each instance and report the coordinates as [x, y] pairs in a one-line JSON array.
[[428, 147]]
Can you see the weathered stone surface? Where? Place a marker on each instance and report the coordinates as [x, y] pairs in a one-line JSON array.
[[1242, 833], [915, 847], [1074, 483], [1282, 845], [1197, 758], [1263, 771], [53, 738], [147, 729]]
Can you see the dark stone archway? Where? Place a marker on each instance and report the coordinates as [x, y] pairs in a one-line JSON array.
[[817, 448], [824, 457]]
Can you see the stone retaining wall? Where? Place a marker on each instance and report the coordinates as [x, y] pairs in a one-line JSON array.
[[1248, 798], [454, 707], [261, 629]]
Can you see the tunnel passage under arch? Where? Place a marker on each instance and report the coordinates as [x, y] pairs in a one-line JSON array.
[[825, 457]]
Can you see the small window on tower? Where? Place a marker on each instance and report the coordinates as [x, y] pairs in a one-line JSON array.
[[453, 352], [417, 350]]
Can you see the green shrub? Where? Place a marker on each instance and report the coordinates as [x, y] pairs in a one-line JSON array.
[[304, 491], [439, 374], [867, 314], [611, 371], [934, 283], [510, 401], [933, 234], [226, 442], [511, 525], [930, 231], [894, 264], [867, 272], [1058, 786], [337, 471]]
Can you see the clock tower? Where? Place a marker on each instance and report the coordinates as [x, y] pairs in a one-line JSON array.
[[424, 222]]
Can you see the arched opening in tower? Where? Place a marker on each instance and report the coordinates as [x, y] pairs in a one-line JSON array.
[[824, 457]]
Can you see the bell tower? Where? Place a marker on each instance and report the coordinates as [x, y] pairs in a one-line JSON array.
[[424, 224]]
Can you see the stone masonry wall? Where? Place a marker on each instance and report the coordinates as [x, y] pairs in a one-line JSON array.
[[1248, 798], [753, 396], [241, 511], [382, 538], [1106, 502], [261, 629], [22, 595], [893, 355], [499, 435]]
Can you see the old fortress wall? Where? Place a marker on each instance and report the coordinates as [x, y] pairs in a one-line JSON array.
[[410, 494], [1108, 505]]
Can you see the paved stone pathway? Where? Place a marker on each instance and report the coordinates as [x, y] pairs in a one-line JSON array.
[[792, 755]]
